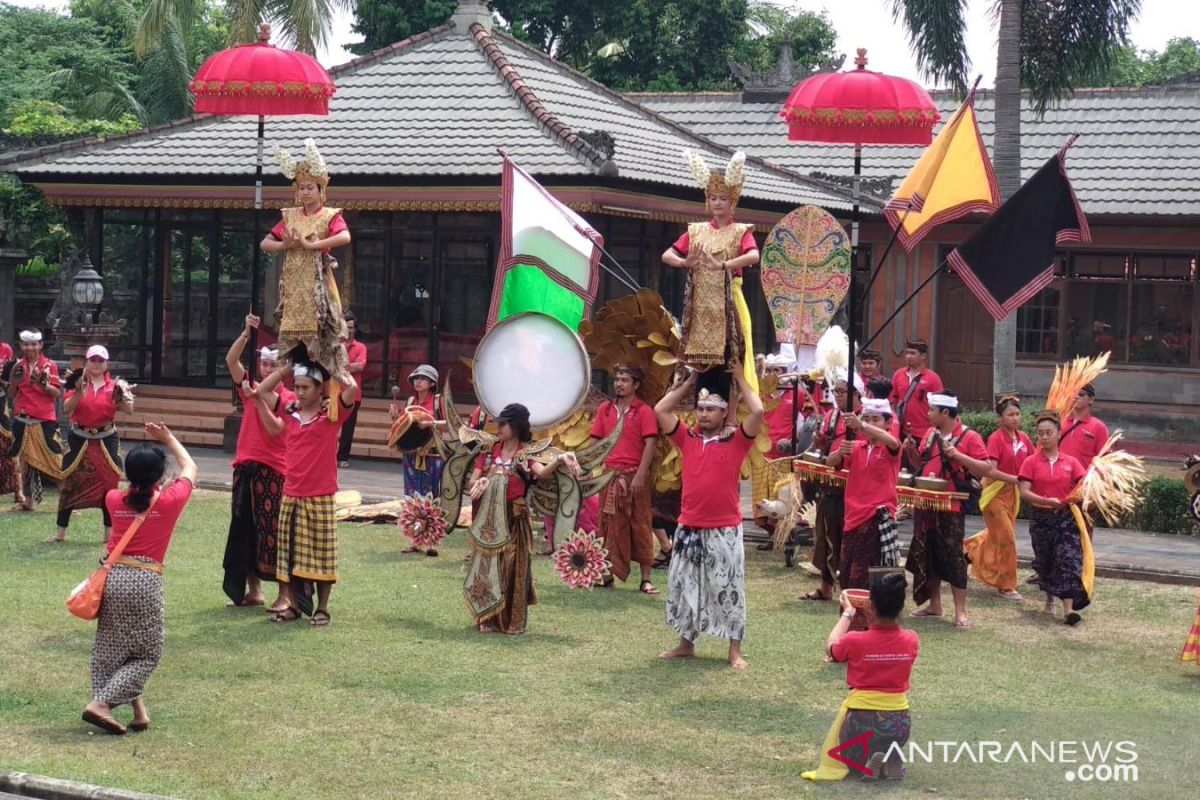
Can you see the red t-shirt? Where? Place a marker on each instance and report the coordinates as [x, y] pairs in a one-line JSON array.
[[311, 469], [516, 480], [6, 353], [879, 659], [640, 425], [916, 413], [1009, 452], [711, 477], [968, 442], [96, 407], [779, 421], [1083, 441], [336, 226], [831, 432], [356, 353], [154, 536], [1055, 480], [254, 443], [747, 244], [872, 482], [32, 400]]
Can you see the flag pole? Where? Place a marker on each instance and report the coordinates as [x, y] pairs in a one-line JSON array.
[[906, 301]]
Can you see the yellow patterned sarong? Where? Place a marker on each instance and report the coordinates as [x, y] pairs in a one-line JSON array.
[[829, 768]]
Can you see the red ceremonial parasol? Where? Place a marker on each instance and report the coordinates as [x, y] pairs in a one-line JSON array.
[[859, 107], [261, 80]]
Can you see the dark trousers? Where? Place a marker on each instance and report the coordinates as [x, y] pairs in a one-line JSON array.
[[347, 435]]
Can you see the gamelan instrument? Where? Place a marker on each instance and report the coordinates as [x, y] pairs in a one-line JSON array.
[[406, 435]]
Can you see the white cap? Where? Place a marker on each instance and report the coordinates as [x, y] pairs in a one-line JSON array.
[[872, 406], [97, 350], [31, 336], [943, 400], [268, 354], [778, 361]]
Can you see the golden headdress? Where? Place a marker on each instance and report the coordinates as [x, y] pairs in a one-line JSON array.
[[311, 166], [730, 181]]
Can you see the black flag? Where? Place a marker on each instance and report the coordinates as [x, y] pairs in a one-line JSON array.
[[1011, 257]]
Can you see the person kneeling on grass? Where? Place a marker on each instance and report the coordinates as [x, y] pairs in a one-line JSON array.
[[878, 662]]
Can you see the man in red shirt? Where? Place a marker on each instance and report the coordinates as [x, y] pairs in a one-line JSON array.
[[707, 581], [955, 453], [307, 526], [258, 467], [34, 386], [779, 419], [911, 386], [356, 355], [1083, 435], [625, 513], [869, 362]]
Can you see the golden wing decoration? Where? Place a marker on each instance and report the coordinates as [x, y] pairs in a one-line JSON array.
[[638, 330]]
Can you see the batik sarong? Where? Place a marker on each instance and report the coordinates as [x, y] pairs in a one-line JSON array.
[[706, 585], [827, 533], [1058, 555], [38, 446], [993, 551], [91, 469], [251, 547], [625, 524], [422, 474], [883, 713], [129, 634], [500, 580], [936, 552], [861, 550]]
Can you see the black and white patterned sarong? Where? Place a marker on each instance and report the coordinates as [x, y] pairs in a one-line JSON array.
[[129, 634], [706, 585]]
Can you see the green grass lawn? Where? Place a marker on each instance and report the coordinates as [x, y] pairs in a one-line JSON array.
[[400, 697]]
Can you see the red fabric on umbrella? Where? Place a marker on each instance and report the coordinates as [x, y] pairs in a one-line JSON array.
[[860, 107], [262, 80]]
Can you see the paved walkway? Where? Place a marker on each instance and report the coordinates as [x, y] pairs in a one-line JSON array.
[[1119, 553]]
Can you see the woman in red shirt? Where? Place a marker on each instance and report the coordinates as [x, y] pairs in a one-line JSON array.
[[92, 466], [129, 633], [1060, 543], [993, 551], [879, 663], [423, 467]]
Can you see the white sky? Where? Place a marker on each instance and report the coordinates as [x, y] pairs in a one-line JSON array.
[[869, 24]]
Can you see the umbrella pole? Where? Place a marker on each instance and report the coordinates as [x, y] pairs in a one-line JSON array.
[[256, 259], [851, 305]]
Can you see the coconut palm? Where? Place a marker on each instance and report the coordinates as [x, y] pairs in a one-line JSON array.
[[305, 25], [1046, 46]]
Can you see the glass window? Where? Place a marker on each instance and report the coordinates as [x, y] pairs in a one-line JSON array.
[[1162, 324], [1169, 266], [467, 265], [1096, 314], [1100, 265], [235, 266], [128, 243], [1037, 324], [370, 303]]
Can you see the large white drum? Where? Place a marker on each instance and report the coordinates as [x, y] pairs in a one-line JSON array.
[[534, 360]]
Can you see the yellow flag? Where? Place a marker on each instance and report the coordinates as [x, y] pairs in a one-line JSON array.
[[952, 178]]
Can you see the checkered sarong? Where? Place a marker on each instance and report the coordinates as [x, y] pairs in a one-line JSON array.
[[307, 540]]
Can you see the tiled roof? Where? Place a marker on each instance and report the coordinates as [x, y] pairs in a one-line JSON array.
[[438, 104], [1138, 150]]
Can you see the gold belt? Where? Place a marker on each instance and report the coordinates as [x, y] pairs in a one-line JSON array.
[[149, 566]]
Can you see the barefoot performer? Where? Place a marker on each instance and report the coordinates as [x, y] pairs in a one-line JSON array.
[[92, 467], [625, 512], [993, 551], [879, 663], [34, 386], [129, 630], [258, 469], [307, 527], [707, 580], [955, 453]]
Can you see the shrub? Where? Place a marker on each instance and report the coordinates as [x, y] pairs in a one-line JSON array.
[[1164, 508], [985, 421]]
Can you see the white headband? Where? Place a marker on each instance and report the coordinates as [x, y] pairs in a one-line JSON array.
[[313, 372], [268, 354], [943, 400], [873, 406], [31, 336], [707, 399], [778, 361]]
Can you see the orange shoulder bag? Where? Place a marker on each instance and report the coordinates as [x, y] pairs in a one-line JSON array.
[[84, 600]]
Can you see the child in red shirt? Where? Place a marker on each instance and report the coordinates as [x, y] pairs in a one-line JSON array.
[[879, 664]]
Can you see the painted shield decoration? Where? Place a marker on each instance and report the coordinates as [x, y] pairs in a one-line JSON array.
[[805, 273]]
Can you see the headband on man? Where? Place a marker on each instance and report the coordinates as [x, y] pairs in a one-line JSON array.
[[707, 399], [311, 371], [268, 354], [873, 406], [31, 337], [1089, 390], [943, 401]]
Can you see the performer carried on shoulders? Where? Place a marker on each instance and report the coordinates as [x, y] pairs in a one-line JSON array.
[[258, 469], [625, 513], [92, 467], [707, 579], [423, 468], [993, 551], [879, 664], [310, 309], [716, 319], [869, 536], [36, 448], [953, 452], [831, 500], [307, 548], [911, 386], [1062, 550]]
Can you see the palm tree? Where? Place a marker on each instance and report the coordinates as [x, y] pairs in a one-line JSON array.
[[1046, 46], [304, 24]]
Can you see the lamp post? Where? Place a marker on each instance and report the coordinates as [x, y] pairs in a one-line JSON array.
[[76, 319], [87, 289]]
